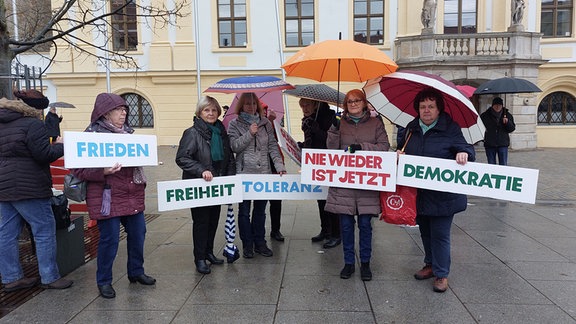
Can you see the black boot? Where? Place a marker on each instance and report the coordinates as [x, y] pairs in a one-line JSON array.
[[365, 272], [202, 267], [210, 257], [248, 250], [347, 271], [320, 237]]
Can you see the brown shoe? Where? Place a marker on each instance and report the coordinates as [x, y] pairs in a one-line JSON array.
[[21, 284], [58, 284], [424, 273], [440, 285]]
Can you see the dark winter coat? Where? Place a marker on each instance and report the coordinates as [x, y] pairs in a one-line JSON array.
[[316, 126], [127, 196], [254, 153], [443, 141], [25, 153], [52, 122], [496, 134], [371, 135], [194, 156]]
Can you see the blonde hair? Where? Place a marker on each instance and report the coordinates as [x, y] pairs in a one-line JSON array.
[[206, 101]]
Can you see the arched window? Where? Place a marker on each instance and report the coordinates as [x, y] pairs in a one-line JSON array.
[[140, 113], [557, 108]]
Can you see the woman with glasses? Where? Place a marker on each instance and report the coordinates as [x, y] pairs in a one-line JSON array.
[[115, 195], [355, 131], [252, 139]]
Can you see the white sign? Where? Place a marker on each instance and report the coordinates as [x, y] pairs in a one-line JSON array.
[[287, 143], [371, 170], [180, 194], [276, 187], [478, 179], [99, 150]]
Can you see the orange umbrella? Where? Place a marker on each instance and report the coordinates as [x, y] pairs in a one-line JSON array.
[[339, 60]]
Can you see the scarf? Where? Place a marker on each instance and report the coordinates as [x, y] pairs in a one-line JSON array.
[[250, 118], [426, 128], [216, 146], [356, 120]]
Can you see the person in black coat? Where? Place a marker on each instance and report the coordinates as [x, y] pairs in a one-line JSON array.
[[318, 117], [52, 122], [499, 123], [204, 152], [434, 134], [25, 191]]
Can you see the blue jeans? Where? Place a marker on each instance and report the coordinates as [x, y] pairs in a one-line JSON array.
[[365, 241], [135, 228], [252, 231], [38, 213], [501, 151], [435, 234]]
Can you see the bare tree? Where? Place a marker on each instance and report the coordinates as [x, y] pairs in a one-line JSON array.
[[41, 28]]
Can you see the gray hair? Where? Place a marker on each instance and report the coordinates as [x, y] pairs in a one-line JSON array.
[[206, 101]]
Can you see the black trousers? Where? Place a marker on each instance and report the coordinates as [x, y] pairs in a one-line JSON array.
[[329, 222], [204, 225], [275, 212]]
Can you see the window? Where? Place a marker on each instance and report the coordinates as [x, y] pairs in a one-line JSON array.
[[460, 16], [557, 108], [124, 25], [556, 18], [140, 114], [232, 31], [369, 21], [299, 22]]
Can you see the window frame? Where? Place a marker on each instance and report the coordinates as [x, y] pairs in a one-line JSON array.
[[128, 21], [136, 110], [299, 19], [232, 19], [460, 28], [368, 16], [548, 115], [554, 8]]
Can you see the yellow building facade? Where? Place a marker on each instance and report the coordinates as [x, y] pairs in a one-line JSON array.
[[220, 39]]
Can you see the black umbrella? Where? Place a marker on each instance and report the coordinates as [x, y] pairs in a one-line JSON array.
[[506, 85]]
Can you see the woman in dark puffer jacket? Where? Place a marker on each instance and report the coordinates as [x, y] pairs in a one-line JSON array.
[[434, 134], [204, 152]]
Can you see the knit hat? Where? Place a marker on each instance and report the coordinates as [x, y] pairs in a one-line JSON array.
[[33, 98], [497, 101]]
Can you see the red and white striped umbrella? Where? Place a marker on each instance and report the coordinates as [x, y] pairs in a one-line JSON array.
[[392, 95]]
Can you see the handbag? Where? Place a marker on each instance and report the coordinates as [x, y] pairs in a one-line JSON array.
[[399, 207], [74, 188], [61, 211]]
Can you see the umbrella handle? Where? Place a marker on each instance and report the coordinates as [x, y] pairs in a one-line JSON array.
[[406, 143]]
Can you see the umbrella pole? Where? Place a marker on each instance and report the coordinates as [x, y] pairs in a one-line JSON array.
[[338, 93]]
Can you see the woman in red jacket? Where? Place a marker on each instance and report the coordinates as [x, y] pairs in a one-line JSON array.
[[114, 196]]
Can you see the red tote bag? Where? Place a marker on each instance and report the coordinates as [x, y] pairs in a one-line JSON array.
[[399, 207]]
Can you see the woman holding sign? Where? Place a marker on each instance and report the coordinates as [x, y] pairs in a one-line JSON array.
[[252, 139], [355, 131], [204, 152], [114, 196], [434, 134]]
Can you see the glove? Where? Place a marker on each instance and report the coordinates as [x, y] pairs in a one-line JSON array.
[[300, 144], [353, 148], [336, 121]]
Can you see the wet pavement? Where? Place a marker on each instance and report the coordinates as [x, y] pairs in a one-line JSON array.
[[511, 263]]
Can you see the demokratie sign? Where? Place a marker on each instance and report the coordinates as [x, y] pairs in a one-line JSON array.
[[276, 187], [370, 170], [180, 194], [287, 143], [99, 150], [477, 179]]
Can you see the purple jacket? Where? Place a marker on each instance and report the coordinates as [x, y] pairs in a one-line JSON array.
[[127, 197]]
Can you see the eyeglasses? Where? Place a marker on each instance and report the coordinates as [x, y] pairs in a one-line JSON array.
[[351, 102]]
